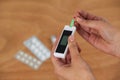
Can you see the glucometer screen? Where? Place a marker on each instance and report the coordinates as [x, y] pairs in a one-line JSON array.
[[63, 41]]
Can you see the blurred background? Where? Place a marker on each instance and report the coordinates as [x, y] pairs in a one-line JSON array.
[[21, 19]]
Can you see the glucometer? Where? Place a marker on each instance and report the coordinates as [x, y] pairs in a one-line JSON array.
[[62, 45]]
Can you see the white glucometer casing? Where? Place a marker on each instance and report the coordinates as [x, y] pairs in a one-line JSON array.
[[62, 45]]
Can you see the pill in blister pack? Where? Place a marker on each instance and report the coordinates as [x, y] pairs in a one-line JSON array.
[[37, 48], [28, 60]]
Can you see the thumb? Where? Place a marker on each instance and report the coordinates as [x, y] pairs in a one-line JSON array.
[[73, 48]]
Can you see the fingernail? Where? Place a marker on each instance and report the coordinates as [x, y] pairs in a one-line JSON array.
[[71, 38], [78, 19]]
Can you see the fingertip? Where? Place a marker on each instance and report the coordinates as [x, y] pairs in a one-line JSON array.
[[71, 38], [79, 19], [72, 43]]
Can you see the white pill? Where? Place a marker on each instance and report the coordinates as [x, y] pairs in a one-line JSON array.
[[37, 44], [26, 61], [32, 47], [25, 55], [45, 51], [38, 62], [36, 50], [34, 40], [41, 47], [36, 66], [28, 44], [31, 64], [29, 57], [21, 53], [40, 54], [48, 55], [18, 57], [34, 60], [43, 58], [23, 59]]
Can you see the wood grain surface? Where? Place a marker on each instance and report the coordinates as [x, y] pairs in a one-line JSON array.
[[21, 19]]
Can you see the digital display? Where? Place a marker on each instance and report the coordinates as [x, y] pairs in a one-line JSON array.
[[63, 41]]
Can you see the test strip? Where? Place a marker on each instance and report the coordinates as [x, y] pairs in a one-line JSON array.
[[72, 23], [28, 60], [37, 48]]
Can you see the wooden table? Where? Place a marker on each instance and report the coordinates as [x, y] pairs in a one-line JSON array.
[[21, 19]]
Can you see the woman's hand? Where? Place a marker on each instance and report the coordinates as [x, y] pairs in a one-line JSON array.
[[98, 32], [73, 67]]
